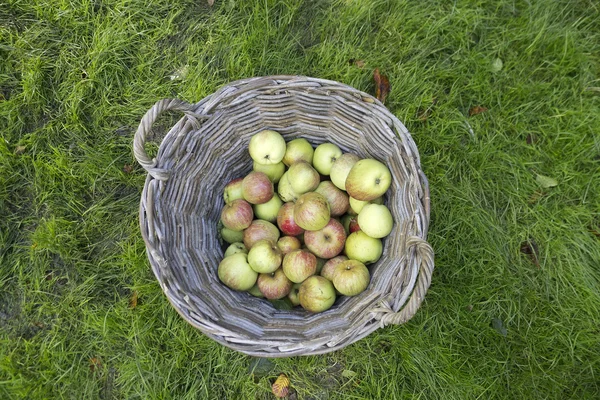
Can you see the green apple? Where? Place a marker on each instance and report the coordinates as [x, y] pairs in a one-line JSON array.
[[273, 171], [237, 247], [351, 277], [264, 256], [316, 294], [361, 247], [294, 294], [267, 147], [357, 205], [231, 236], [235, 272], [325, 155], [298, 150], [303, 177], [286, 193], [329, 267], [233, 191], [268, 211], [340, 169], [375, 220], [368, 179], [255, 291], [311, 211]]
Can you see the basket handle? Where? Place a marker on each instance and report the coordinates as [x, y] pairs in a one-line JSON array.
[[139, 140], [424, 253]]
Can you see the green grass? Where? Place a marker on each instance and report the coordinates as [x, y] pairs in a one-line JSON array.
[[75, 78]]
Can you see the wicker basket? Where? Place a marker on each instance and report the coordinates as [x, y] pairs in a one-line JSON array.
[[182, 200]]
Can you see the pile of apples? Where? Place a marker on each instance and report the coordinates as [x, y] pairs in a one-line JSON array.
[[304, 223]]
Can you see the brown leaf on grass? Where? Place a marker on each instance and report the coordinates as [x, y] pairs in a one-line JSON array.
[[128, 168], [133, 301], [95, 364], [382, 85], [477, 110], [531, 249], [281, 387]]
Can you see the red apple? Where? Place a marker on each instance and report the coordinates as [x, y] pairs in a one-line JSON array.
[[233, 190], [299, 265], [287, 244], [327, 242], [258, 230], [316, 294], [351, 277], [274, 285], [257, 188], [337, 199], [353, 226], [285, 220], [329, 267], [237, 215], [311, 211]]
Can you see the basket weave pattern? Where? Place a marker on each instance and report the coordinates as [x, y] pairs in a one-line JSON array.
[[207, 148]]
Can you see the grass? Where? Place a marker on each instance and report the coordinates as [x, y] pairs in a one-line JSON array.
[[75, 78]]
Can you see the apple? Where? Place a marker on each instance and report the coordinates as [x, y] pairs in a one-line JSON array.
[[258, 230], [316, 294], [311, 211], [337, 199], [255, 291], [328, 241], [274, 285], [237, 247], [257, 188], [285, 189], [268, 211], [267, 147], [345, 220], [237, 215], [231, 236], [287, 244], [351, 277], [357, 205], [298, 150], [353, 226], [325, 155], [368, 179], [363, 248], [285, 220], [299, 265], [329, 267], [303, 177], [264, 256], [233, 191], [273, 171], [320, 263], [376, 220], [340, 169], [235, 272], [294, 294]]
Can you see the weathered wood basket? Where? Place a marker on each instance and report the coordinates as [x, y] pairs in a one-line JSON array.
[[182, 200]]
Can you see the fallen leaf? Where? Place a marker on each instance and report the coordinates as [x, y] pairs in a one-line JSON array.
[[95, 364], [546, 181], [382, 85], [20, 150], [358, 63], [281, 387], [133, 301], [497, 65], [532, 138], [477, 110], [499, 326], [260, 367], [128, 168], [530, 248], [283, 304], [348, 374]]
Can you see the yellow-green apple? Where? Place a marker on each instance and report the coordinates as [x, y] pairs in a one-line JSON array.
[[363, 248], [337, 199], [294, 294], [233, 190], [267, 147], [368, 179], [274, 285], [298, 150], [257, 188], [376, 220], [328, 241], [237, 247], [303, 177], [287, 244], [273, 171], [268, 211], [286, 222], [351, 277], [237, 215], [299, 265], [329, 267], [340, 169], [325, 155], [258, 230], [316, 294], [311, 211], [235, 272], [285, 189], [357, 205], [231, 236], [264, 256], [255, 291]]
